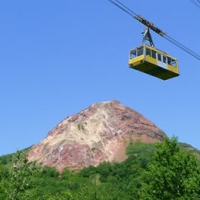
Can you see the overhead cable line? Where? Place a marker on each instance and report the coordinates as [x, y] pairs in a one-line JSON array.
[[154, 28], [183, 47], [196, 3]]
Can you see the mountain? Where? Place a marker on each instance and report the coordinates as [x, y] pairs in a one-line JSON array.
[[97, 134]]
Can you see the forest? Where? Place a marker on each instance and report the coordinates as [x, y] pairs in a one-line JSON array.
[[162, 171]]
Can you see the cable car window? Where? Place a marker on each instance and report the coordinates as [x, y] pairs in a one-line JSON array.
[[164, 59], [148, 52], [153, 54], [169, 61], [159, 57], [173, 63], [133, 54], [140, 52]]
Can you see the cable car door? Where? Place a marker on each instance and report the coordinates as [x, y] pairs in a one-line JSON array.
[[162, 61]]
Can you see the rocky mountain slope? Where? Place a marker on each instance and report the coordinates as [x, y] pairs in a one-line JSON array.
[[96, 134]]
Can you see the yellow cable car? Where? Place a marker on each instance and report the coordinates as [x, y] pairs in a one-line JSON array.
[[154, 62]]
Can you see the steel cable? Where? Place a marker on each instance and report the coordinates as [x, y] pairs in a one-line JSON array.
[[195, 3], [183, 47]]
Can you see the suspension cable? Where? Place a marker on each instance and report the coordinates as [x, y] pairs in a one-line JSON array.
[[195, 3], [183, 47]]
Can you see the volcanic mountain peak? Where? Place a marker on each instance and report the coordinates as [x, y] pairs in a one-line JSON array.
[[96, 134]]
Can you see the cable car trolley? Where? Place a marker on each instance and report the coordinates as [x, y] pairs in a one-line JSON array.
[[149, 59]]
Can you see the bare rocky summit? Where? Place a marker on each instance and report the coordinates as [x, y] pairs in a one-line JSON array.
[[94, 135]]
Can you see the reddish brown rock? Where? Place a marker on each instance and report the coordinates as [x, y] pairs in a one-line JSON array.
[[96, 134]]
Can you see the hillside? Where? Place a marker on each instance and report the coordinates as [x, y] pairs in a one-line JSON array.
[[94, 135], [109, 181], [142, 148]]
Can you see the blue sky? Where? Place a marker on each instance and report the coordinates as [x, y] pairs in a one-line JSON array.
[[59, 57]]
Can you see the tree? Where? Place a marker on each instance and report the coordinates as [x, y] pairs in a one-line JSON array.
[[172, 174], [65, 195], [3, 177], [19, 175]]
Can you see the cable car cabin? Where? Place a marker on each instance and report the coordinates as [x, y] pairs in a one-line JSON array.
[[154, 62]]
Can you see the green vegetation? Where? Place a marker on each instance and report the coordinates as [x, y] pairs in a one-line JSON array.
[[151, 172], [172, 174], [81, 126]]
